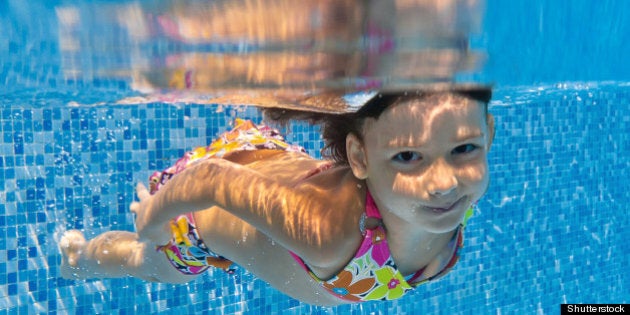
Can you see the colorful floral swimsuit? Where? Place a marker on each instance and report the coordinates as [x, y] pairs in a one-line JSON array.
[[370, 275]]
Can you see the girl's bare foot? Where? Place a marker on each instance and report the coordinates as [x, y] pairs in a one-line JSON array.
[[72, 245]]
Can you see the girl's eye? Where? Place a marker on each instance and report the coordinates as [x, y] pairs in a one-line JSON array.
[[406, 157], [466, 148]]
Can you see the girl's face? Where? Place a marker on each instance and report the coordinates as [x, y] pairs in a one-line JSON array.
[[425, 160]]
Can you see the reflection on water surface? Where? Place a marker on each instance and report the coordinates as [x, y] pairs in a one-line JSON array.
[[272, 52]]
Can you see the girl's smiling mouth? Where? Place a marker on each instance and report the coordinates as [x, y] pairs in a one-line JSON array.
[[447, 207]]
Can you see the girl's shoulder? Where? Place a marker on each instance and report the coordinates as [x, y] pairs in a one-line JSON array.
[[284, 166], [334, 184]]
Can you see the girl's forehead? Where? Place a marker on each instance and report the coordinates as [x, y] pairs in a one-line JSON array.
[[416, 121], [428, 109]]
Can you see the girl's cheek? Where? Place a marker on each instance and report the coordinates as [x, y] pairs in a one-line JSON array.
[[472, 173]]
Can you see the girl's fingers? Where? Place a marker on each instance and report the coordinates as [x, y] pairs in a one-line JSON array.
[[142, 191], [134, 207]]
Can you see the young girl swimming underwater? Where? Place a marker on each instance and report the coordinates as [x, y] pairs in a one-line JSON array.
[[383, 214]]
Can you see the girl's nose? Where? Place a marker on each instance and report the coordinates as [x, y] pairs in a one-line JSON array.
[[442, 191], [442, 180]]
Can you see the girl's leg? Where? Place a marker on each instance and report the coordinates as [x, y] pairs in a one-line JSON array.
[[115, 254]]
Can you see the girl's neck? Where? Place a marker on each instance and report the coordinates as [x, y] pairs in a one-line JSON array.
[[408, 235], [411, 246]]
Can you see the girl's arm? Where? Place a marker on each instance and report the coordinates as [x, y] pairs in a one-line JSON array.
[[292, 216]]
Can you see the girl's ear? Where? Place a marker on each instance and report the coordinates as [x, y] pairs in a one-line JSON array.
[[356, 156]]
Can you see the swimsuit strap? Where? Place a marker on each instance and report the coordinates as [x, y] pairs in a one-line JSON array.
[[371, 210]]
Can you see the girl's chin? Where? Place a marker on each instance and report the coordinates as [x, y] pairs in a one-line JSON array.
[[443, 222], [442, 228]]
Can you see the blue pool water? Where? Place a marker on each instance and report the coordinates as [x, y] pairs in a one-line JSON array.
[[552, 229]]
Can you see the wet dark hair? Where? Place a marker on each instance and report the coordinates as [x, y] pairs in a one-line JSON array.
[[336, 127]]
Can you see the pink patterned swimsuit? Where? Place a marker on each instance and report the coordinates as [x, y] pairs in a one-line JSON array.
[[372, 274]]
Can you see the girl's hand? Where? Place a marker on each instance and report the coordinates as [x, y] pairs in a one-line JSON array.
[[144, 208]]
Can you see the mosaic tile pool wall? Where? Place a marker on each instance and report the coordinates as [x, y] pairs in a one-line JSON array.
[[553, 227]]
